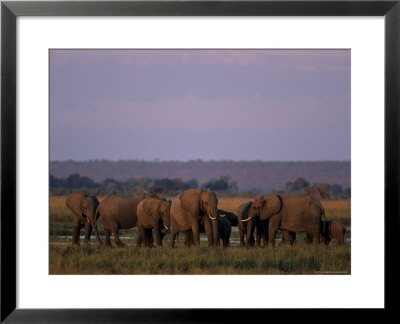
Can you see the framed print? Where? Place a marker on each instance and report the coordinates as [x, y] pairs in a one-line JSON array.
[[176, 90]]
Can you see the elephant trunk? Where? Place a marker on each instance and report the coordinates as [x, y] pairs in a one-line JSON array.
[[249, 231], [212, 215], [215, 232], [166, 220], [91, 218]]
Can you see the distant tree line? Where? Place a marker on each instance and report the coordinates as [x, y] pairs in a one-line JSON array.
[[322, 191], [109, 186], [224, 186]]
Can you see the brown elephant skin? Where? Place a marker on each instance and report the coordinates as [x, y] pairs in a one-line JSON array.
[[153, 213], [242, 216], [119, 212], [224, 230], [190, 210], [297, 213], [334, 230], [83, 208]]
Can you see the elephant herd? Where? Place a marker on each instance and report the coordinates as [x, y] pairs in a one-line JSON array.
[[195, 211]]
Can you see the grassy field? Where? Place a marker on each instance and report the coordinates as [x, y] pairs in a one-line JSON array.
[[300, 259]]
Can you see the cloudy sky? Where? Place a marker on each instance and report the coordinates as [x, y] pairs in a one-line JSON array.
[[271, 105]]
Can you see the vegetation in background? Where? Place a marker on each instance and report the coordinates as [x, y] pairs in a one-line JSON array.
[[223, 186], [261, 175]]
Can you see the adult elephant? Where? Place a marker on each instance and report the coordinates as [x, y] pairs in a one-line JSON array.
[[242, 216], [190, 210], [119, 212], [83, 208], [153, 213], [298, 213]]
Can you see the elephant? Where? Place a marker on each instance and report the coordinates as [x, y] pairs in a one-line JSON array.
[[224, 230], [83, 208], [153, 213], [334, 230], [297, 213], [120, 212], [242, 216], [230, 216], [261, 231], [190, 210], [288, 237]]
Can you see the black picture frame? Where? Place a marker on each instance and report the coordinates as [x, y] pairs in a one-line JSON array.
[[10, 10]]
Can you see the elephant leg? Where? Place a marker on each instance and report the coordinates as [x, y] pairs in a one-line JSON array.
[[250, 234], [141, 237], [258, 235], [292, 238], [157, 231], [117, 241], [149, 237], [88, 232], [188, 238], [252, 240], [96, 232], [75, 233], [196, 234], [107, 238], [172, 238], [272, 230], [316, 237], [309, 238], [285, 236], [263, 239]]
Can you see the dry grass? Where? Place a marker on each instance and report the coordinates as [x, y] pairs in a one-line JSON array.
[[65, 259], [300, 259]]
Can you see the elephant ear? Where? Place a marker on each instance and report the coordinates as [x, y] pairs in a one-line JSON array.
[[272, 205], [82, 205], [190, 201]]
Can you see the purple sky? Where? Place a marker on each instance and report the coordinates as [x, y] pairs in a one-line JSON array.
[[200, 104]]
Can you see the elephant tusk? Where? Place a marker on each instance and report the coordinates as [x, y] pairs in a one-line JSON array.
[[247, 219], [222, 215], [212, 218], [166, 227]]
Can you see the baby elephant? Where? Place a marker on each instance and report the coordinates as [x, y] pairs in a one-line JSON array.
[[224, 230], [334, 230], [153, 213]]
